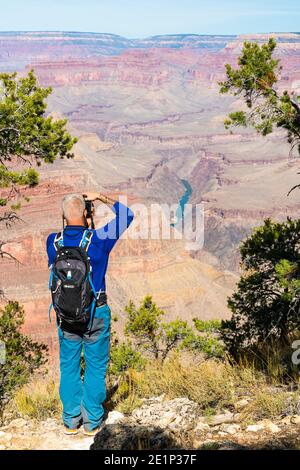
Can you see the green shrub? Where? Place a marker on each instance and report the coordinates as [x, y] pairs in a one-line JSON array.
[[124, 357], [28, 177], [210, 326], [23, 356], [150, 333], [265, 307]]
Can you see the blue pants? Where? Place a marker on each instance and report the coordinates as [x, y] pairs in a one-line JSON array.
[[83, 399]]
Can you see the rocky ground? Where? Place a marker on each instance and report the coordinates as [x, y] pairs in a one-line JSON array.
[[160, 424], [24, 434]]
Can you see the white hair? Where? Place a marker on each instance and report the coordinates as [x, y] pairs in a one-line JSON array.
[[73, 206]]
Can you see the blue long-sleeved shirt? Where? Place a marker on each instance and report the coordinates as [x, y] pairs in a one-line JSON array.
[[103, 241]]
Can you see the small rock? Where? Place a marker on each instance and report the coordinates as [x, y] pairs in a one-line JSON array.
[[5, 437], [197, 444], [18, 423], [114, 417], [230, 428], [241, 404], [295, 419], [215, 428], [255, 427], [272, 427], [201, 428], [220, 419], [222, 434]]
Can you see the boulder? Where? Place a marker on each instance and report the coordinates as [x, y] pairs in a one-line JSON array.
[[230, 428], [179, 413], [130, 436], [286, 420], [114, 417], [255, 427]]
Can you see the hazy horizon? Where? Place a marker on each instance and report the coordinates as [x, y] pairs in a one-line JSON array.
[[135, 19], [142, 37]]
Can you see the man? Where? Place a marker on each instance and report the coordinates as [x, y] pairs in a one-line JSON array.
[[83, 401]]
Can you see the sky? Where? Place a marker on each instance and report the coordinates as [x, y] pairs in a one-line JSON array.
[[142, 18]]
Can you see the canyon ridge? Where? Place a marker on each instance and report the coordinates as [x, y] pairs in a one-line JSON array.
[[148, 116]]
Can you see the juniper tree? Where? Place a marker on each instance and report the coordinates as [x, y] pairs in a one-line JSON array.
[[266, 305], [254, 80], [28, 137]]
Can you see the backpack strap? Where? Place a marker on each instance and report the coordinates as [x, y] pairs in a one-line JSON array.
[[58, 240], [86, 240]]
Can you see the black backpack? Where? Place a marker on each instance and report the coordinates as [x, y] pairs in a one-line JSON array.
[[73, 294]]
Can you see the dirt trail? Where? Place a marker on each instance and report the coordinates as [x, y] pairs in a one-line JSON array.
[[23, 434]]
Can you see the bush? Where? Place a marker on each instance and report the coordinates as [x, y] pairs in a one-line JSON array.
[[124, 357], [31, 177], [23, 356], [266, 306], [150, 334], [28, 177], [208, 341], [207, 326], [158, 339], [269, 404]]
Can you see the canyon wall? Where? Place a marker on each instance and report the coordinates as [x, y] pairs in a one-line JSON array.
[[148, 114]]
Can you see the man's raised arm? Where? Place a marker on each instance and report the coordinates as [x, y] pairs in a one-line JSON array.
[[113, 230]]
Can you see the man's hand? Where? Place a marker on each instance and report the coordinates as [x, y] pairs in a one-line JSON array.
[[100, 197], [91, 196]]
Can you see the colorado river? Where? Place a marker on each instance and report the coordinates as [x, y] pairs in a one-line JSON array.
[[182, 202]]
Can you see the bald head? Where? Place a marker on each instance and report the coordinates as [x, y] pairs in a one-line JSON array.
[[73, 207]]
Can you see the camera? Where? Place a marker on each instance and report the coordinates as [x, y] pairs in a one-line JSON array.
[[89, 207]]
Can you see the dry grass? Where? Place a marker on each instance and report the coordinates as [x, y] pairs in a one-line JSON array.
[[274, 360], [268, 403], [212, 384], [39, 399]]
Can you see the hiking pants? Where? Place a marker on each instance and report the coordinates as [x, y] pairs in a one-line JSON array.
[[82, 399]]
